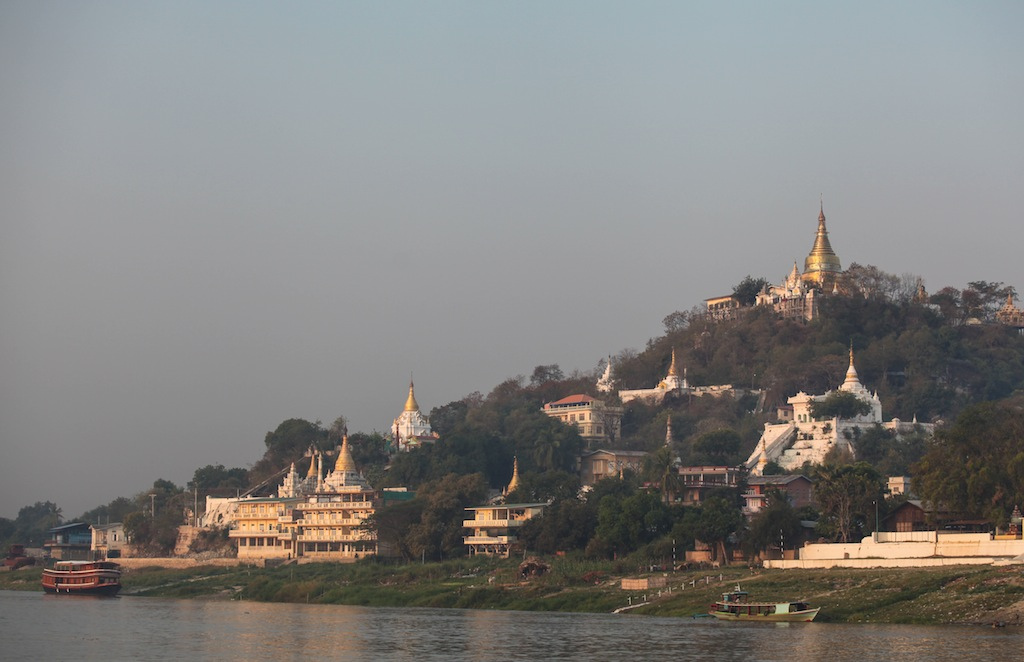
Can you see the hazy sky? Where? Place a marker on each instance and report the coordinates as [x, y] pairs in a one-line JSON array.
[[217, 216]]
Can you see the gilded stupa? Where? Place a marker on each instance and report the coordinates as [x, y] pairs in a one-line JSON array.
[[822, 265], [411, 429]]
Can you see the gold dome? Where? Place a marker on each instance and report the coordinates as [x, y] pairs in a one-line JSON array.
[[822, 264]]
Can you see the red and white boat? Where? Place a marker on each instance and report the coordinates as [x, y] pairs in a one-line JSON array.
[[83, 578]]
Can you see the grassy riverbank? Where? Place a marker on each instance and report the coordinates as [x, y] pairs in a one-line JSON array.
[[961, 594]]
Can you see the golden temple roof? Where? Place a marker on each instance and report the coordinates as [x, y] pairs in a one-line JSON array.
[[822, 258]]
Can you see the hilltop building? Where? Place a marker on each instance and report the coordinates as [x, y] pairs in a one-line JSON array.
[[412, 429], [1011, 315], [802, 438], [595, 420], [674, 384], [798, 294]]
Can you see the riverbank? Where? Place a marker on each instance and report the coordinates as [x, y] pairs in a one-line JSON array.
[[963, 594]]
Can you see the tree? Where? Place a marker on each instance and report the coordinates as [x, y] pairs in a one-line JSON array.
[[439, 532], [718, 447], [746, 290], [846, 495], [976, 467], [777, 524], [662, 467], [33, 522], [215, 476], [546, 373], [717, 518], [839, 404]]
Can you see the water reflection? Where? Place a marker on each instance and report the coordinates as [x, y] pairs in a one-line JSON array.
[[56, 627]]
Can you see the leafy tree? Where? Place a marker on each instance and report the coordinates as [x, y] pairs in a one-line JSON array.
[[839, 404], [567, 524], [546, 486], [286, 444], [115, 511], [546, 373], [215, 476], [846, 495], [976, 467], [717, 518], [394, 526], [33, 522], [777, 524], [626, 524], [746, 290], [439, 532], [718, 447], [661, 467]]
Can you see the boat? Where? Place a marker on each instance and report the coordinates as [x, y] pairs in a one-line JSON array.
[[83, 578], [734, 606]]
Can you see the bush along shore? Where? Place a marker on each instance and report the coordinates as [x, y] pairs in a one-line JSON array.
[[983, 595]]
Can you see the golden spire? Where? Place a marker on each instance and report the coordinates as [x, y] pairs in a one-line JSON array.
[[822, 260], [513, 484], [312, 464], [672, 371], [411, 404], [345, 461]]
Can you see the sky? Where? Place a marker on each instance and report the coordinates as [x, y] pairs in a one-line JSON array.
[[218, 216]]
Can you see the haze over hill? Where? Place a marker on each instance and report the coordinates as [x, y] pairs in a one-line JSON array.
[[218, 217]]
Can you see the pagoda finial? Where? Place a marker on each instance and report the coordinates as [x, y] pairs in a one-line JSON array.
[[513, 484], [672, 371], [410, 403]]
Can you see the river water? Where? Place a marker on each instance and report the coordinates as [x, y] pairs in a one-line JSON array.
[[35, 626]]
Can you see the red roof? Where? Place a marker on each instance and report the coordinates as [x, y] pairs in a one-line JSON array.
[[577, 399]]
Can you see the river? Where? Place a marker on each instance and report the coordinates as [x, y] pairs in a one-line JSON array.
[[35, 626]]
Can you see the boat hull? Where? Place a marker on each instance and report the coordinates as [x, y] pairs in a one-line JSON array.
[[803, 616], [82, 578]]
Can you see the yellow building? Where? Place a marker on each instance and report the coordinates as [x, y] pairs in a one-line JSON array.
[[598, 464], [595, 420], [493, 528], [325, 524]]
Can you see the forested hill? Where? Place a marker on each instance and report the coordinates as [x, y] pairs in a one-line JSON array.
[[925, 358]]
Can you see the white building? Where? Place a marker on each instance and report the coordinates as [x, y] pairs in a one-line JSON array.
[[412, 429], [803, 438]]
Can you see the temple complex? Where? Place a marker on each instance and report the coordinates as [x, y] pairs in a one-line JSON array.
[[673, 383], [802, 438], [798, 294], [318, 517], [412, 429]]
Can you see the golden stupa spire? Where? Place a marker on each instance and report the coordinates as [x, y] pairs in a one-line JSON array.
[[822, 259], [672, 371], [312, 463], [345, 461], [513, 484], [410, 403]]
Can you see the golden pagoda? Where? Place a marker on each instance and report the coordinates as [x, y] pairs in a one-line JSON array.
[[513, 484], [822, 265], [410, 403]]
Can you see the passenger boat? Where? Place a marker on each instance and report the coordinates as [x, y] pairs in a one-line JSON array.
[[734, 607], [83, 578]]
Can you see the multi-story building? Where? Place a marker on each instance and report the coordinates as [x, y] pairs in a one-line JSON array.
[[595, 420], [799, 490], [697, 482], [108, 540], [493, 528], [600, 463], [325, 521]]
